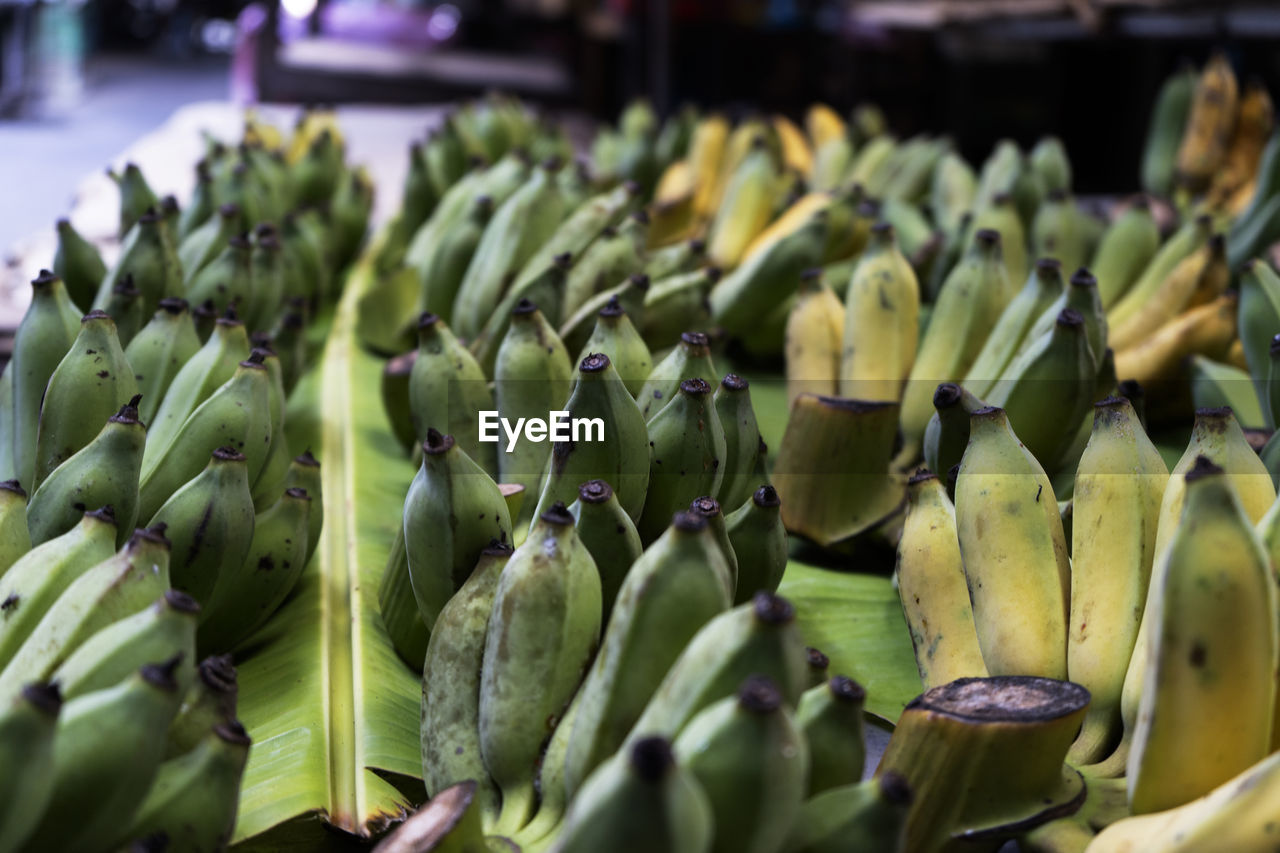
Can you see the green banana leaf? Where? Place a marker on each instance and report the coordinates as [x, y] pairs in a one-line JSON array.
[[332, 711]]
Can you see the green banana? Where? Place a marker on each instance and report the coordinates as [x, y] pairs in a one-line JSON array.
[[351, 206], [690, 360], [545, 290], [1258, 317], [136, 197], [620, 457], [830, 717], [227, 280], [210, 702], [638, 802], [43, 338], [759, 540], [1049, 161], [159, 351], [304, 473], [615, 254], [819, 663], [629, 294], [452, 511], [767, 278], [867, 817], [149, 257], [1214, 384], [676, 303], [1081, 294], [677, 259], [236, 417], [164, 631], [1165, 130], [395, 397], [1186, 240], [102, 473], [315, 177], [198, 248], [78, 263], [6, 420], [741, 438], [947, 433], [100, 779], [687, 449], [126, 308], [441, 273], [399, 608], [610, 536], [1037, 294], [529, 674], [708, 508], [15, 539], [1127, 246], [1056, 232], [1002, 216], [267, 275], [266, 487], [193, 799], [27, 729], [89, 385], [952, 191], [450, 729], [616, 336], [447, 389], [200, 207]]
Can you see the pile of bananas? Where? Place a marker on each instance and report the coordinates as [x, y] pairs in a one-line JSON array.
[[145, 412]]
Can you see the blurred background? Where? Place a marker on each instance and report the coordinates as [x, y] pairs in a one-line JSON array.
[[80, 80]]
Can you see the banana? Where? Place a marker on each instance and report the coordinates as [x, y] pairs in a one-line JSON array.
[[227, 280], [136, 196], [398, 607], [529, 676], [445, 159], [450, 731], [1015, 560], [315, 175], [1255, 119], [446, 390], [198, 248], [520, 226], [267, 274], [822, 123], [1056, 232], [830, 718], [620, 458], [1049, 161], [545, 290], [616, 336], [1259, 316], [687, 455], [972, 299], [247, 593], [745, 207], [615, 254], [1206, 329], [815, 335], [15, 539], [162, 632], [708, 508], [947, 434], [1215, 384], [609, 535], [418, 194], [1198, 278], [236, 417], [101, 779], [870, 165], [931, 582], [193, 799], [737, 418], [676, 587], [126, 308], [6, 421], [1210, 122], [452, 511], [148, 256], [159, 351], [1165, 131], [759, 541], [47, 332], [752, 761], [350, 209], [676, 259], [196, 380], [952, 191], [818, 666], [78, 263], [796, 153], [304, 473], [691, 359], [1184, 242], [766, 280], [266, 487], [867, 817], [102, 473], [676, 303], [630, 294], [881, 324], [639, 801], [210, 702], [441, 273], [1041, 290], [200, 206], [850, 216], [1127, 247], [395, 397], [1116, 506], [1202, 620], [27, 730], [1001, 215]]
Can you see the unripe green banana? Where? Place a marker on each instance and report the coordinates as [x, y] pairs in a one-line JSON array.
[[638, 802], [1041, 289], [1186, 240], [451, 513], [267, 274], [315, 177], [15, 539], [99, 779], [444, 157], [1002, 216], [830, 718], [198, 248], [102, 473], [1049, 161], [1028, 193], [867, 817], [691, 359], [200, 207], [352, 204], [759, 638], [1081, 295], [531, 378], [447, 389], [545, 290], [418, 195], [708, 508], [1127, 246], [450, 729], [305, 268], [136, 197], [248, 592], [159, 351], [210, 701], [227, 280], [304, 473], [947, 433], [767, 278], [164, 631], [552, 797], [752, 761], [78, 263], [27, 729], [759, 540], [399, 608], [266, 487], [742, 441], [202, 374], [440, 273], [193, 799], [1164, 134], [43, 338], [819, 664], [236, 417], [581, 227], [676, 303], [290, 340], [6, 421], [616, 336], [679, 584], [126, 308], [1258, 317], [677, 259], [89, 385], [620, 459], [615, 254], [530, 673], [687, 450], [148, 255], [881, 327], [610, 536], [395, 397]]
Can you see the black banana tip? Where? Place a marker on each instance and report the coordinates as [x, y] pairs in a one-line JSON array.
[[689, 522], [126, 288], [427, 319], [882, 229], [151, 217], [1002, 198], [1203, 467], [232, 732], [895, 789], [218, 674], [95, 314], [759, 695], [1214, 418], [810, 274], [612, 308], [1130, 389], [845, 689], [524, 308], [816, 659], [563, 261], [306, 460], [695, 387], [15, 487], [498, 548], [265, 229], [557, 515], [697, 245], [180, 601], [1056, 195], [169, 205], [230, 313], [228, 454], [153, 535], [128, 413], [706, 506], [651, 758], [255, 360], [172, 305], [921, 475], [772, 609], [595, 492], [1070, 317], [264, 342], [639, 281], [641, 216], [44, 696], [43, 279], [595, 362], [986, 412], [713, 274], [734, 382], [1083, 278], [105, 513], [987, 237], [766, 497], [437, 443], [946, 395], [162, 675], [1110, 402], [297, 494], [1048, 265], [695, 339]]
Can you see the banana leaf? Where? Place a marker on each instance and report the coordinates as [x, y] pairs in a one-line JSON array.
[[332, 711]]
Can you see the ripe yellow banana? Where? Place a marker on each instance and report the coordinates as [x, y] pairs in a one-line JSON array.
[[882, 311], [815, 330], [706, 150], [823, 124], [1207, 330], [796, 153], [1209, 126], [746, 207], [1198, 278]]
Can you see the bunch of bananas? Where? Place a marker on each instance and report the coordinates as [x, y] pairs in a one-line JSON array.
[[147, 412]]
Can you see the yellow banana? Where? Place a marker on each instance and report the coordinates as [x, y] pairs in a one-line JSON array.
[[746, 207], [815, 329], [1207, 330], [882, 311], [1203, 273], [706, 149], [1209, 126], [796, 153], [823, 124]]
